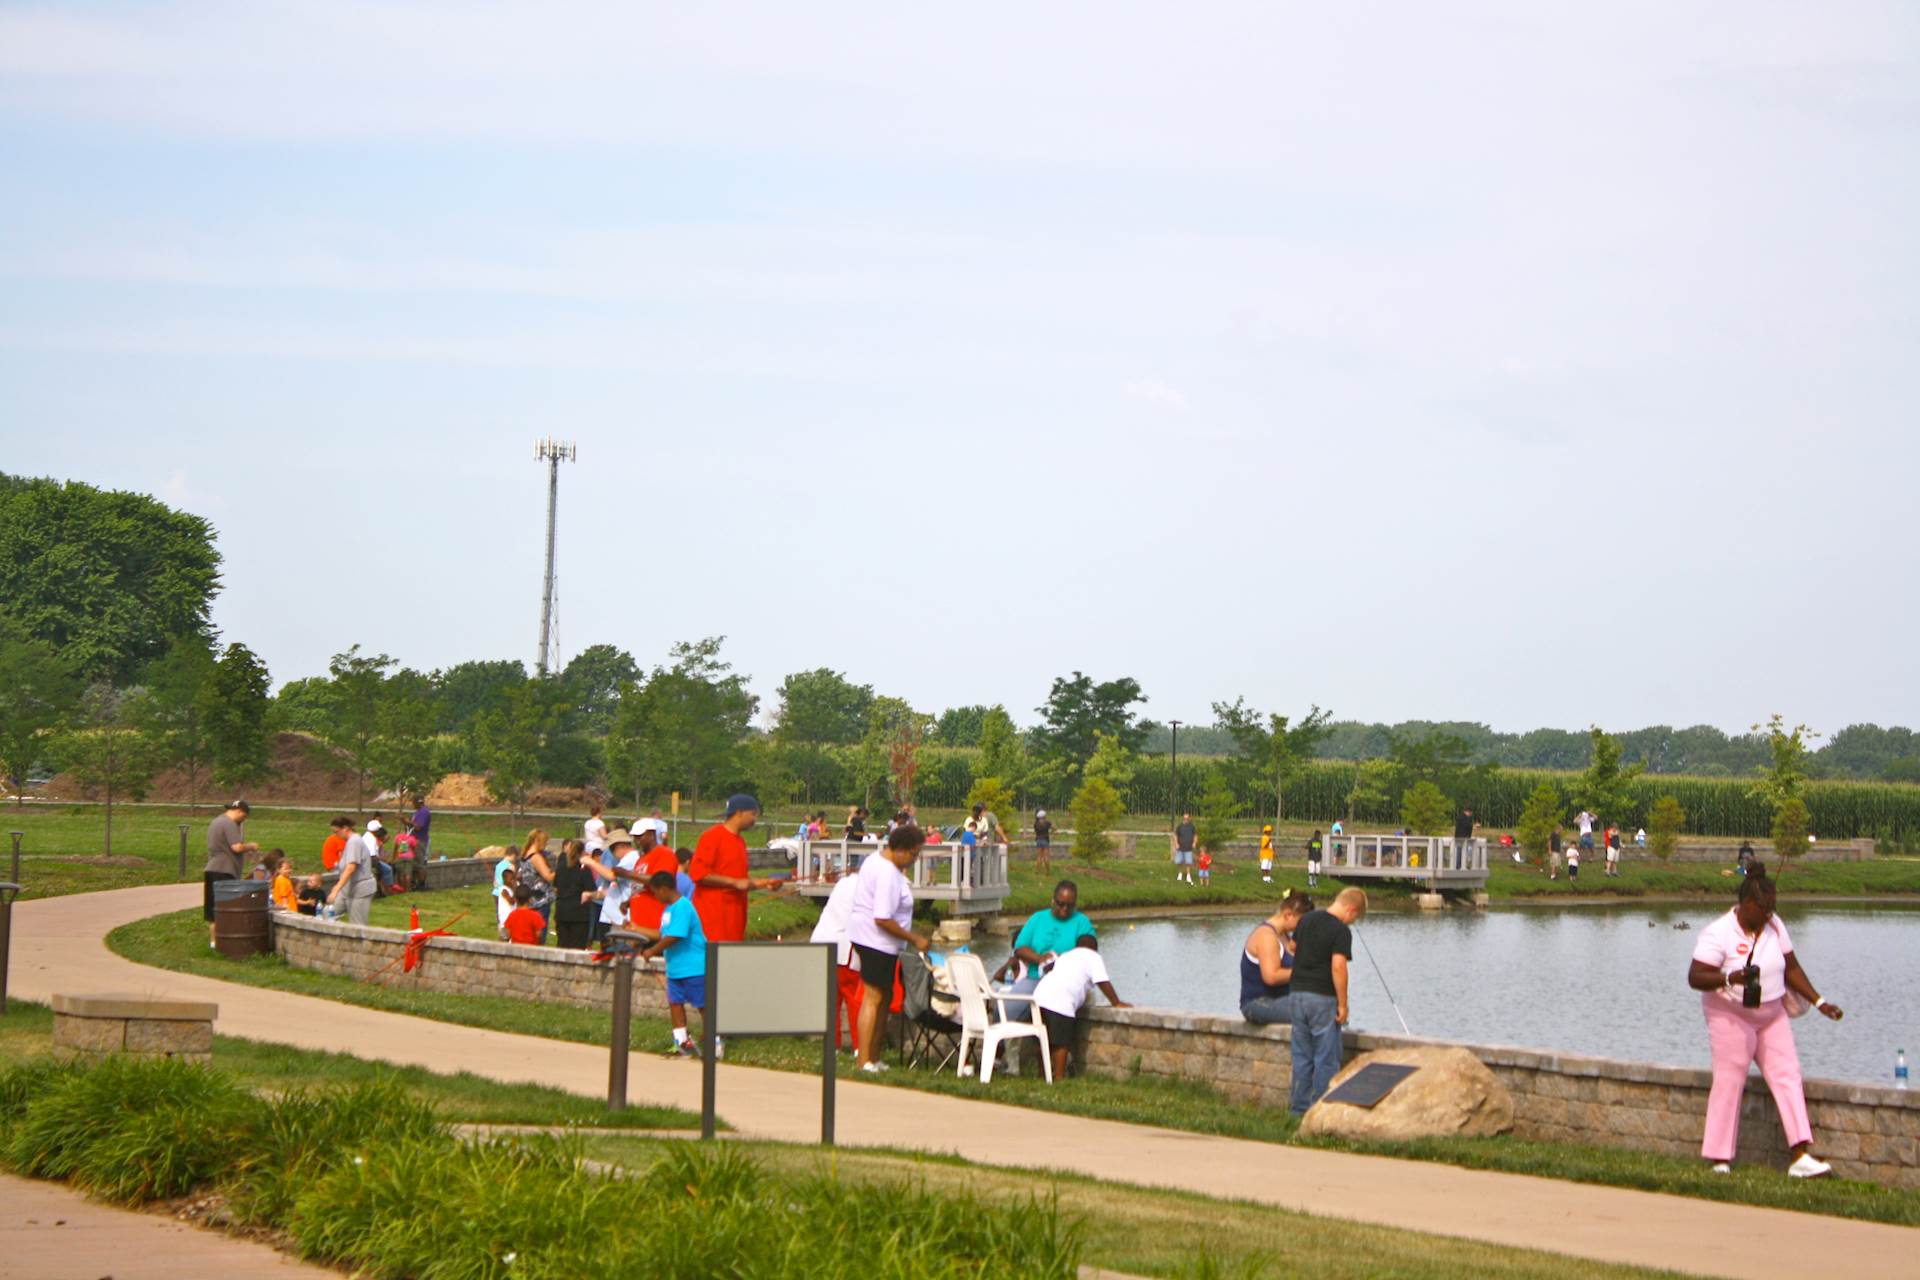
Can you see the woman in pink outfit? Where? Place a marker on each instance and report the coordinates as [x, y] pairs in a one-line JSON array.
[[1744, 969]]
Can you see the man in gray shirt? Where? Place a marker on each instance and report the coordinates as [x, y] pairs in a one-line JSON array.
[[358, 880], [227, 844]]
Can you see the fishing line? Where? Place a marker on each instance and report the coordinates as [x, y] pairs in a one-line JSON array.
[[1383, 981]]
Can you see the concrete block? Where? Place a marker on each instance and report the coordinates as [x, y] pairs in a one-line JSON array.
[[170, 1039], [73, 1035]]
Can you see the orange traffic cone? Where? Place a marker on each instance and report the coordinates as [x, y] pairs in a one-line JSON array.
[[413, 921]]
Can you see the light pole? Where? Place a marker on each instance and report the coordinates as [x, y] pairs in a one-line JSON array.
[[1175, 817]]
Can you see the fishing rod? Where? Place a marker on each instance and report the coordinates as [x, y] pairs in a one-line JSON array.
[[1383, 981]]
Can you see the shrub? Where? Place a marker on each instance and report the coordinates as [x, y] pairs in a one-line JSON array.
[[1424, 809], [1096, 807], [1537, 821], [1790, 830], [1664, 821]]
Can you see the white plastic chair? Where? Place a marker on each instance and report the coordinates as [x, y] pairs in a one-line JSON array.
[[969, 977]]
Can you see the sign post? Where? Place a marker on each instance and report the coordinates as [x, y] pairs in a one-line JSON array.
[[674, 813], [771, 989]]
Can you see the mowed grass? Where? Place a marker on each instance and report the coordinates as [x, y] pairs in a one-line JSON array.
[[462, 1098], [179, 942], [1146, 1232]]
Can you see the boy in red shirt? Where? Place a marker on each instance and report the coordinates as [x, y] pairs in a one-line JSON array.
[[643, 908], [524, 925], [720, 873], [1205, 864], [336, 844]]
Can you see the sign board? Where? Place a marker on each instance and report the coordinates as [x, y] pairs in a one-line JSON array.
[[770, 989], [1367, 1086], [676, 803]]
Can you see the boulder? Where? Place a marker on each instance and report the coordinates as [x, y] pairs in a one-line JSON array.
[[1452, 1093]]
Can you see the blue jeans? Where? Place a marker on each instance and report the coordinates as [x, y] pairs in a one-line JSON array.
[[1268, 1011], [1316, 1048]]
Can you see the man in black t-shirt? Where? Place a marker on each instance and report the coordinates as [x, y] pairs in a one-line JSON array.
[[1183, 837], [1463, 825], [1323, 944]]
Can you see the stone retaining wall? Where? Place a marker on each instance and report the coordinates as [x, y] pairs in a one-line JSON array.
[[94, 1026], [1867, 1131], [462, 966]]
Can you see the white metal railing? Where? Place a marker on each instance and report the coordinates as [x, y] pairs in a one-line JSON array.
[[1415, 857], [948, 870]]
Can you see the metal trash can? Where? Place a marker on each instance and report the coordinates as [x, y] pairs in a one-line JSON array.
[[240, 917]]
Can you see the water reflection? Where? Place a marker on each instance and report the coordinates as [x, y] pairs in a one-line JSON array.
[[1605, 980]]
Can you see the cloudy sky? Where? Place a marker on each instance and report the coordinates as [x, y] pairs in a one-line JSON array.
[[1531, 364]]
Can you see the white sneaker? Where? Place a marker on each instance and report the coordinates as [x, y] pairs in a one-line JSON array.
[[1722, 1167], [1807, 1167], [874, 1068], [719, 1048]]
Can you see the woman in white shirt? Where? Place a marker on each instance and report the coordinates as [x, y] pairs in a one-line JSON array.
[[834, 919], [1746, 972], [594, 832], [879, 922]]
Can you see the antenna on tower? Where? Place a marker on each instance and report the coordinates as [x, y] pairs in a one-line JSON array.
[[552, 452]]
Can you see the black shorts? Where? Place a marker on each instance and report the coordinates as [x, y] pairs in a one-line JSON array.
[[877, 969], [1062, 1028], [212, 878]]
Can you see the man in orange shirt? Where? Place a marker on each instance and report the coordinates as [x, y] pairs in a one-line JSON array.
[[720, 873], [643, 909], [335, 845]]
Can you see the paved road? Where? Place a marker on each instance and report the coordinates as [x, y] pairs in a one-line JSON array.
[[58, 947]]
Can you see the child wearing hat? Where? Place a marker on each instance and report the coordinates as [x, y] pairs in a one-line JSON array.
[[1266, 854]]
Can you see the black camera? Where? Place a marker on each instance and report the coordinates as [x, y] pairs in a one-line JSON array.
[[1750, 990]]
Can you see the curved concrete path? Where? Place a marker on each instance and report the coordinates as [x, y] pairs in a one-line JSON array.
[[59, 946]]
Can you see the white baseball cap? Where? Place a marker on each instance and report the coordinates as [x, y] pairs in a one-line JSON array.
[[373, 824]]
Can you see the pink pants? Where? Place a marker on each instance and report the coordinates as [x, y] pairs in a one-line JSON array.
[[1740, 1036]]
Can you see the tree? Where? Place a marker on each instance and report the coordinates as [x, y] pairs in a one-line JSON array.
[[406, 756], [350, 718], [765, 766], [1436, 756], [592, 681], [1787, 762], [1112, 761], [1901, 769], [889, 751], [36, 695], [181, 685], [1791, 827], [108, 580], [1276, 750], [819, 709], [1424, 809], [1664, 821], [507, 738], [465, 689], [1372, 788], [683, 726], [998, 797], [1606, 788], [961, 726], [1218, 808], [1096, 808], [1542, 813], [112, 747], [1076, 709], [238, 745], [301, 705]]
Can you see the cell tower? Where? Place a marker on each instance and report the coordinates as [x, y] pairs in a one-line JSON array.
[[553, 453]]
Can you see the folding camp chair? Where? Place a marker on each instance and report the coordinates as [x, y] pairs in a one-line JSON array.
[[927, 1034]]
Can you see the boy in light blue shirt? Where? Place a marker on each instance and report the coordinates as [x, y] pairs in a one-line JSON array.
[[684, 943]]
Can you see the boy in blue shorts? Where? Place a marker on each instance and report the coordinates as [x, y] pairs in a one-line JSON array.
[[684, 944]]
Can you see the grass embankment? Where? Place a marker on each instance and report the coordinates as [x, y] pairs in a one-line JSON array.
[[27, 1032], [178, 942], [369, 1179]]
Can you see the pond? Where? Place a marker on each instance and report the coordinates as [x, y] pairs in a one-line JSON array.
[[1603, 980]]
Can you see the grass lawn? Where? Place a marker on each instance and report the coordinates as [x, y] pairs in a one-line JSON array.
[[27, 1031], [178, 942], [1155, 1233]]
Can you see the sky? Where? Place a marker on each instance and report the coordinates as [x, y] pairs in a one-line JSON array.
[[1536, 365]]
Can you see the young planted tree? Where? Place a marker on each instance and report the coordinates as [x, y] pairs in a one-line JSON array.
[[238, 742], [350, 713], [1372, 788], [683, 727], [507, 739], [1543, 812], [819, 710], [1606, 788], [1218, 808], [1786, 771], [406, 755], [181, 685], [1664, 821], [1424, 809], [36, 696], [998, 798], [112, 747], [1791, 827], [1096, 808], [1273, 748]]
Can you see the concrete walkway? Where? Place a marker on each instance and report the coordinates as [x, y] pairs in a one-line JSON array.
[[49, 1231], [58, 947]]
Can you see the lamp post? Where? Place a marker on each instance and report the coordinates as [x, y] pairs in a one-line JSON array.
[[8, 892], [18, 836], [1174, 818], [183, 851]]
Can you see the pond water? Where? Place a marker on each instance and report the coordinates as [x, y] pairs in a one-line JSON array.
[[1596, 980]]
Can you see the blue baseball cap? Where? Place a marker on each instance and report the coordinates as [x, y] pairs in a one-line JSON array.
[[741, 802]]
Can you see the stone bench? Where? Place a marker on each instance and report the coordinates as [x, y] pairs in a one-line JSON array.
[[93, 1026]]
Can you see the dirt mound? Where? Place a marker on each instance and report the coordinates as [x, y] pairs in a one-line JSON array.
[[460, 791], [303, 771]]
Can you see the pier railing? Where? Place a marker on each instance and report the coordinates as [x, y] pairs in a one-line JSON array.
[[1442, 861], [973, 877]]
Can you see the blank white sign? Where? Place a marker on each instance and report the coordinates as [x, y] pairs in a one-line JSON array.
[[771, 989]]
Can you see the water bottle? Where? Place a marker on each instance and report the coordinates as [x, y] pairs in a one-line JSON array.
[[1899, 1068]]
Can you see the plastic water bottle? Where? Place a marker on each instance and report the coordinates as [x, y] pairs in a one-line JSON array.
[[1899, 1068]]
